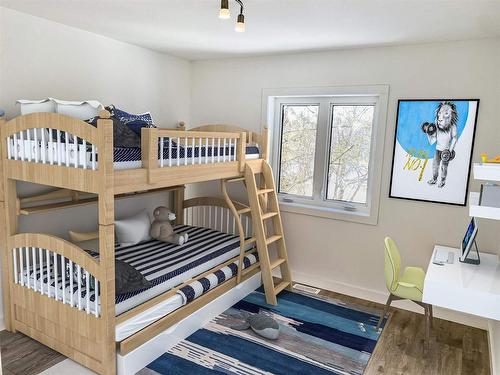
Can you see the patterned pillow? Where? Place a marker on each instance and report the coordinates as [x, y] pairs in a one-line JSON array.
[[127, 118], [137, 125], [123, 136]]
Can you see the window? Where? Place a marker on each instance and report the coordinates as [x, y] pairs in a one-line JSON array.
[[298, 142], [324, 153], [349, 161]]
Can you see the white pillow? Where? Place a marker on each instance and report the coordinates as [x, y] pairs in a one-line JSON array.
[[32, 106], [133, 230], [81, 110]]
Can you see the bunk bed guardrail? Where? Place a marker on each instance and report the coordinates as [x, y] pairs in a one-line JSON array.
[[57, 269], [187, 153], [56, 308], [214, 213], [55, 149], [188, 148], [67, 143], [191, 151]]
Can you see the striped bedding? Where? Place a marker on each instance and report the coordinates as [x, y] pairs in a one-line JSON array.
[[199, 287], [165, 265], [134, 153], [130, 157]]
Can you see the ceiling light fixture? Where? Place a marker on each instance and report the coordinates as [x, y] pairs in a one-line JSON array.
[[240, 23], [225, 14]]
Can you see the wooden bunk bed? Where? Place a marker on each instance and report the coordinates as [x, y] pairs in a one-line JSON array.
[[59, 151]]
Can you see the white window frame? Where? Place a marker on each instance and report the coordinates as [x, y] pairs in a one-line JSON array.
[[377, 95]]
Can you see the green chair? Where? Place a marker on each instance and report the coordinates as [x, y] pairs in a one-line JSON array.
[[409, 285]]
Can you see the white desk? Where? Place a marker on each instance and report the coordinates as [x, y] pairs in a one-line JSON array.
[[465, 287]]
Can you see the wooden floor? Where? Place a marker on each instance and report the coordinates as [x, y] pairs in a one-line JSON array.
[[455, 349], [22, 355]]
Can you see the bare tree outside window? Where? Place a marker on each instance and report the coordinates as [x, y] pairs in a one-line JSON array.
[[298, 146], [348, 167]]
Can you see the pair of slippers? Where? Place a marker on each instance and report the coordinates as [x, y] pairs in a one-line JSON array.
[[262, 325]]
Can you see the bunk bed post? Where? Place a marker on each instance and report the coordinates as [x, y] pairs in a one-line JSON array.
[[149, 150], [242, 151], [265, 143], [8, 226], [107, 240], [179, 205]]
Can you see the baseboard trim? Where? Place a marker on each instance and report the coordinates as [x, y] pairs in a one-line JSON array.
[[381, 297]]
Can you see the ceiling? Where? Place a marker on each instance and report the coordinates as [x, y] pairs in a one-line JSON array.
[[191, 28]]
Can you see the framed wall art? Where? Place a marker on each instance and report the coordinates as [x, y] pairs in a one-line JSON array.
[[433, 149]]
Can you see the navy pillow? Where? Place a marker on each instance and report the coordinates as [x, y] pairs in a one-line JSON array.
[[123, 136], [137, 125], [127, 118]]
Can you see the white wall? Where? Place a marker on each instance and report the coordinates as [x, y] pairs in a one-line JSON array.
[[345, 256], [40, 58]]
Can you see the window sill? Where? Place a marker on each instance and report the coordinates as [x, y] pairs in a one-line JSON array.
[[329, 213]]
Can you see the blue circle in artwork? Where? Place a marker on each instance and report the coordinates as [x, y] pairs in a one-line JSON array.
[[412, 114]]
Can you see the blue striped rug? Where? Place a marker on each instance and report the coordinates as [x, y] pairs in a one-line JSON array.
[[318, 336]]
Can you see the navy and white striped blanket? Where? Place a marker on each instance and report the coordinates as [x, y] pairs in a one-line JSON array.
[[165, 265], [201, 286], [169, 265]]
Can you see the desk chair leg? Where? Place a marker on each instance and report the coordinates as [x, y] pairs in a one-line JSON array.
[[386, 310], [432, 316]]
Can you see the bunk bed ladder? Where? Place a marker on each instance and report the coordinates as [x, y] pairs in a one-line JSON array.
[[265, 210]]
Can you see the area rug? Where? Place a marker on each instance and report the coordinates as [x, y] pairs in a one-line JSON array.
[[318, 335]]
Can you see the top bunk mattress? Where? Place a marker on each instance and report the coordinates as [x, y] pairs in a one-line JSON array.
[[165, 265]]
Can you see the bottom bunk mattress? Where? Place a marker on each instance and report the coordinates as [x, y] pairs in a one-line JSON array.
[[168, 265], [164, 265], [189, 292]]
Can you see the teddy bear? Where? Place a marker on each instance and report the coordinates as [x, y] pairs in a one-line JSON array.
[[162, 230]]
